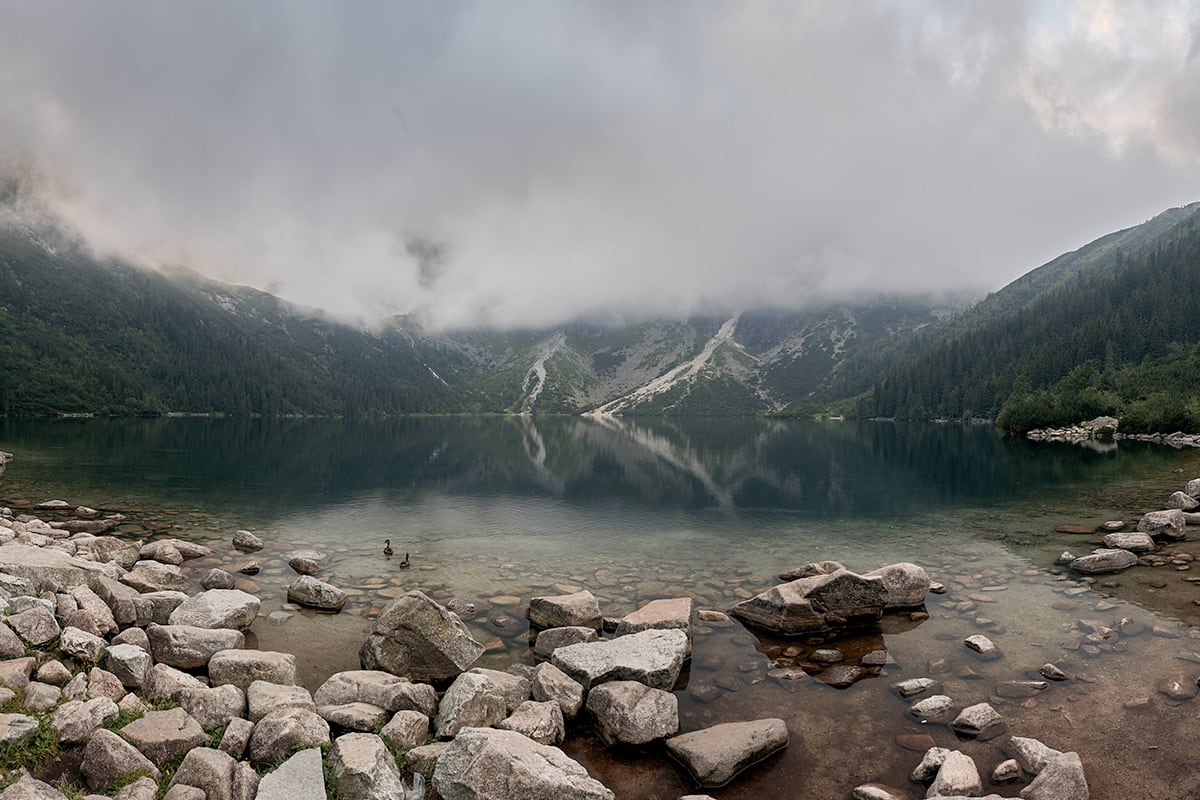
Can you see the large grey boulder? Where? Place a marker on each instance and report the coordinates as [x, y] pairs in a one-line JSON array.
[[282, 732], [130, 663], [551, 639], [151, 576], [105, 549], [668, 614], [163, 682], [488, 764], [1134, 542], [163, 736], [514, 688], [243, 667], [817, 603], [301, 777], [406, 729], [1031, 754], [653, 657], [217, 578], [551, 683], [157, 607], [580, 609], [30, 788], [93, 613], [714, 756], [383, 689], [48, 566], [1170, 524], [108, 758], [958, 776], [17, 728], [628, 712], [11, 645], [189, 646], [542, 722], [264, 697], [1062, 779], [906, 584], [361, 717], [15, 672], [75, 721], [473, 700], [1099, 562], [247, 542], [417, 637], [217, 608], [36, 626], [209, 770], [1182, 501], [120, 598], [364, 769], [215, 706], [312, 593]]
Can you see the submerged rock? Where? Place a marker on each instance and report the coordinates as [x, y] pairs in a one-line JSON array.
[[714, 756], [817, 603], [906, 584], [1103, 561]]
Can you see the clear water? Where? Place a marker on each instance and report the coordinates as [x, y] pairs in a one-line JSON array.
[[493, 510]]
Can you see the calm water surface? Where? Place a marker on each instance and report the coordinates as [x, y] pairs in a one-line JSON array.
[[493, 510]]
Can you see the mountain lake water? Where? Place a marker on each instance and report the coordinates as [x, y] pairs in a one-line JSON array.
[[494, 510]]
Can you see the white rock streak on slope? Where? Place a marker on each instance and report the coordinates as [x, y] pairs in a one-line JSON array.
[[537, 372], [669, 379]]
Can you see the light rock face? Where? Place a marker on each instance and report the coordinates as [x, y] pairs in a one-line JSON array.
[[301, 777], [209, 770], [364, 769], [217, 608], [151, 576], [551, 639], [542, 722], [652, 657], [957, 776], [190, 647], [906, 584], [714, 756], [108, 757], [628, 712], [669, 614], [216, 706], [418, 638], [47, 566], [76, 720], [406, 729], [243, 667], [1133, 542], [580, 609], [472, 701], [264, 697], [1169, 524], [817, 603], [164, 735], [312, 593], [487, 764], [978, 720], [16, 728], [281, 732], [1099, 562], [1061, 779], [551, 683], [383, 689]]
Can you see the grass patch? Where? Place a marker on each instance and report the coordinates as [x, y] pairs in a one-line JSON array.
[[215, 734], [34, 752], [123, 718]]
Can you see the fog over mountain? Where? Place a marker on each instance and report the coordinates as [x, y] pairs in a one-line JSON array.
[[523, 163]]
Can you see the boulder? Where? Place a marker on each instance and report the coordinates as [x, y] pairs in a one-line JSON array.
[[242, 667], [40, 697], [551, 683], [514, 688], [542, 722], [304, 566], [672, 614], [130, 663], [1182, 501], [120, 598], [93, 612], [934, 708], [189, 646], [282, 732], [217, 578], [301, 777], [75, 721], [818, 603], [486, 764], [264, 697], [1061, 779], [958, 776], [1103, 561], [580, 609], [982, 646], [17, 728], [108, 758], [1131, 541], [362, 717], [102, 683], [406, 729], [217, 608], [1032, 755], [141, 789], [48, 566], [36, 626], [1169, 524], [215, 706], [551, 639], [30, 788], [247, 542], [236, 738], [979, 720], [906, 584], [163, 682], [471, 701], [151, 576], [389, 692], [162, 551], [163, 736], [811, 570], [628, 712], [209, 770], [417, 637], [11, 645], [157, 607], [714, 756], [423, 758], [106, 549], [312, 593], [15, 672], [653, 657], [364, 769]]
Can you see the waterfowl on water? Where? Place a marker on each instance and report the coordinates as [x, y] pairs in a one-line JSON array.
[[387, 547], [405, 563]]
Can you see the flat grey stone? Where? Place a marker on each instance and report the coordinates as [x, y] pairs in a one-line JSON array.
[[242, 667], [653, 657], [217, 608], [628, 712], [301, 777], [162, 736], [714, 756], [108, 758]]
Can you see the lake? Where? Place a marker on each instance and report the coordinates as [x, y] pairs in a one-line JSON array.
[[494, 510]]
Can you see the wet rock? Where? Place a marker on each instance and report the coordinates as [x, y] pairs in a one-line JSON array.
[[815, 604], [130, 663], [312, 593], [916, 686], [217, 608], [364, 769], [551, 639], [979, 720], [579, 609], [714, 756], [1006, 771], [931, 762], [957, 776], [906, 584], [471, 701], [75, 721], [628, 712], [1168, 524], [417, 637], [1182, 501], [109, 758], [842, 676], [1062, 779], [247, 542], [304, 566], [163, 736], [1177, 688], [1032, 755], [551, 683], [935, 708], [217, 579], [1052, 672], [243, 667], [540, 721], [811, 570], [214, 706], [653, 657], [1020, 688], [1099, 562], [984, 647], [284, 731], [484, 764], [878, 791], [406, 729], [188, 646], [1131, 541], [249, 568]]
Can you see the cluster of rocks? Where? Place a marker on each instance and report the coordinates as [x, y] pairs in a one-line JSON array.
[[954, 774], [1108, 428], [1124, 549], [4, 459]]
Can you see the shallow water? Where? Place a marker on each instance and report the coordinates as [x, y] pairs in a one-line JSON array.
[[495, 510]]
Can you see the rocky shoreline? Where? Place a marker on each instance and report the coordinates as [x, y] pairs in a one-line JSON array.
[[136, 686], [1107, 429]]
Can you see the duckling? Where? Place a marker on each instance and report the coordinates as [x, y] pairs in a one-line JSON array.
[[387, 547], [405, 564]]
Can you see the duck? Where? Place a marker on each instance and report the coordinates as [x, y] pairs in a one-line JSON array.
[[387, 547], [405, 564]]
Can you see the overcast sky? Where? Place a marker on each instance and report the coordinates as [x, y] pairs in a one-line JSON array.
[[527, 162]]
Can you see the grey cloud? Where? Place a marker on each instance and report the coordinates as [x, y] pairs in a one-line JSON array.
[[592, 158]]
